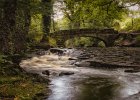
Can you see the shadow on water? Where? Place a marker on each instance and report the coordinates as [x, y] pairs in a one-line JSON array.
[[84, 88]]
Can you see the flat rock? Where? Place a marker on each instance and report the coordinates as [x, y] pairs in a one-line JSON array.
[[83, 58], [82, 64], [72, 58], [66, 73], [132, 71], [56, 50], [69, 66]]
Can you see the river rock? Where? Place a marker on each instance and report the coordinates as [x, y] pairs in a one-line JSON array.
[[82, 64], [72, 58], [40, 52], [133, 97], [69, 66], [56, 50], [46, 72], [82, 58], [66, 73], [132, 71]]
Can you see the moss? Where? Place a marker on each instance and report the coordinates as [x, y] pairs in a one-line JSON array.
[[20, 87], [101, 44], [138, 38], [16, 83], [52, 42]]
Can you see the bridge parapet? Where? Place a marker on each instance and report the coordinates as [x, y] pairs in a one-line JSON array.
[[84, 31]]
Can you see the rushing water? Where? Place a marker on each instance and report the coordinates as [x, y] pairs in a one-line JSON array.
[[86, 83]]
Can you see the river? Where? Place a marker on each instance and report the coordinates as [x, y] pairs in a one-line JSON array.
[[86, 83]]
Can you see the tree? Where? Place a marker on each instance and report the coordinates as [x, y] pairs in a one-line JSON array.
[[7, 26], [23, 19], [93, 14], [47, 4]]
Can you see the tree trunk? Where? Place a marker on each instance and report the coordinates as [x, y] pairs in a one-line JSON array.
[[22, 29], [7, 26], [47, 16]]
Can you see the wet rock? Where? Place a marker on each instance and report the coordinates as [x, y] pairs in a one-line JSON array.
[[82, 58], [133, 97], [114, 57], [46, 72], [54, 73], [66, 73], [40, 52], [56, 50], [132, 71], [69, 66], [109, 65], [82, 64], [73, 58]]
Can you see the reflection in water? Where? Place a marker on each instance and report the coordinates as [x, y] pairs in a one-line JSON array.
[[86, 88]]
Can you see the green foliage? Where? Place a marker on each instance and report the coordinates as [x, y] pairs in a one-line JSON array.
[[79, 42], [2, 60], [35, 32], [84, 42], [132, 24], [92, 14], [101, 44], [52, 42], [63, 24]]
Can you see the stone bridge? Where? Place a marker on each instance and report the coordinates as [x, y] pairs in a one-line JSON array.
[[108, 36]]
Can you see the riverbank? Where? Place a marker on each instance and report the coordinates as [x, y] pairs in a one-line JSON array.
[[16, 84]]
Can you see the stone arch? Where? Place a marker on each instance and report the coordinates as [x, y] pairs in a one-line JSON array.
[[101, 40], [98, 38]]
